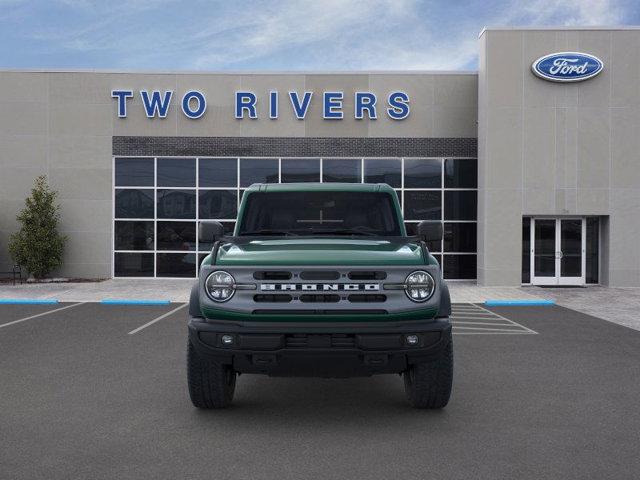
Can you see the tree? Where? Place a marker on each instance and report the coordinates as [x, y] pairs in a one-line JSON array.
[[37, 246]]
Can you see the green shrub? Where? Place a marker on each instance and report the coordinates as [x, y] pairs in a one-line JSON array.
[[37, 246]]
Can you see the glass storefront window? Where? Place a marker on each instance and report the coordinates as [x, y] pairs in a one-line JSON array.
[[296, 170], [460, 205], [176, 235], [459, 267], [176, 203], [422, 173], [176, 172], [160, 219], [133, 264], [460, 173], [593, 248], [526, 250], [423, 205], [214, 204], [460, 237], [258, 170], [345, 170], [383, 170], [176, 264], [134, 172], [134, 203], [133, 236], [218, 172]]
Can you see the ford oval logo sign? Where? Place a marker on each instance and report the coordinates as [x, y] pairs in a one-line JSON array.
[[567, 66]]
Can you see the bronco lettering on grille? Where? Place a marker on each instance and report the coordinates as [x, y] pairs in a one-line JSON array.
[[320, 287]]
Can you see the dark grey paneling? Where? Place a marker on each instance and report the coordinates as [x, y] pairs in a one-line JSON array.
[[293, 147]]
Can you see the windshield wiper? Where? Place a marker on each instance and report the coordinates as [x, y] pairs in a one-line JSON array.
[[267, 231]]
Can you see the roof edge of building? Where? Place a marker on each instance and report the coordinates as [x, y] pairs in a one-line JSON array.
[[560, 27], [237, 72]]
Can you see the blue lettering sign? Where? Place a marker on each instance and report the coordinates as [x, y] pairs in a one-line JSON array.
[[398, 105], [122, 96], [332, 105], [246, 101], [365, 101], [273, 105], [156, 105], [200, 100], [300, 108]]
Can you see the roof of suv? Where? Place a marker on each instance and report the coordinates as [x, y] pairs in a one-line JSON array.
[[320, 187]]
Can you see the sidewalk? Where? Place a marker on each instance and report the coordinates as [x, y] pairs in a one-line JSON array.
[[617, 305], [177, 290], [172, 289]]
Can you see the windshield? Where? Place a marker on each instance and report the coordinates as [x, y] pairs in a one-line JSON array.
[[320, 213]]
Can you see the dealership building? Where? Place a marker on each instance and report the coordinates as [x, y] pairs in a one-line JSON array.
[[531, 163]]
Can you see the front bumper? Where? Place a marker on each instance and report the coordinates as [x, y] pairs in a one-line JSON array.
[[319, 350]]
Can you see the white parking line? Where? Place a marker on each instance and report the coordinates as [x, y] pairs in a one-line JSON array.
[[508, 320], [468, 312], [40, 314], [484, 323], [487, 329], [491, 332], [165, 315]]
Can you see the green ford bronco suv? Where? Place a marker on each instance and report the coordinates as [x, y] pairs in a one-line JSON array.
[[320, 280]]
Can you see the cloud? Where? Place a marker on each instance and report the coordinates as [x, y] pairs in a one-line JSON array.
[[339, 35], [288, 34], [383, 35], [331, 26], [569, 12]]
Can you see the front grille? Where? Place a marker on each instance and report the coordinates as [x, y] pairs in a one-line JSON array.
[[313, 291], [367, 275], [322, 290], [272, 298], [320, 341], [363, 298], [311, 298], [320, 275], [272, 275]]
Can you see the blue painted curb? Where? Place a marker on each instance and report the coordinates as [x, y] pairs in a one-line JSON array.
[[519, 303], [28, 301], [115, 301]]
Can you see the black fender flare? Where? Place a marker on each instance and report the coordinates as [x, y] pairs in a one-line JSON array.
[[194, 301], [444, 310]]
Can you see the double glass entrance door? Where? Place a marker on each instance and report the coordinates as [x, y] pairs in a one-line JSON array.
[[558, 251]]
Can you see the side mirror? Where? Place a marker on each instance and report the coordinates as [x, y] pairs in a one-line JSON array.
[[209, 232], [429, 231]]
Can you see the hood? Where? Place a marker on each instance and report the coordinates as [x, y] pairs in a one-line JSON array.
[[321, 251]]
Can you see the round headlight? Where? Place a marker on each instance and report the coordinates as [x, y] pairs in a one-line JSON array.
[[419, 286], [220, 286]]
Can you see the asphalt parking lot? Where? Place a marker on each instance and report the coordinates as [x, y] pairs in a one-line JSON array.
[[92, 391]]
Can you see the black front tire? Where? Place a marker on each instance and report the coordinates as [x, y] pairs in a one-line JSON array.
[[428, 384], [211, 384]]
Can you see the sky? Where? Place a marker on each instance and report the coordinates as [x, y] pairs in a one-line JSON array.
[[277, 35]]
